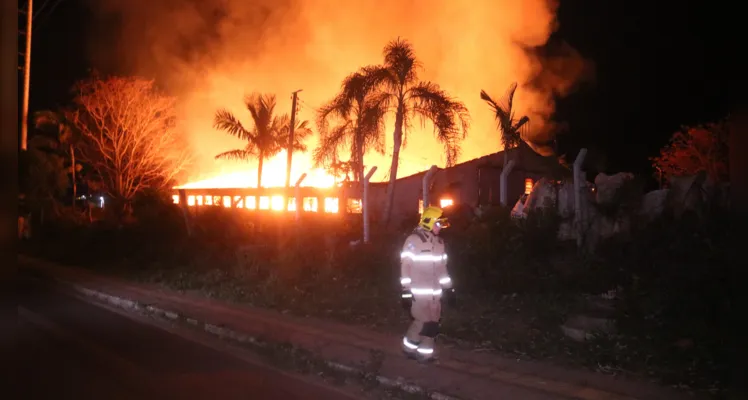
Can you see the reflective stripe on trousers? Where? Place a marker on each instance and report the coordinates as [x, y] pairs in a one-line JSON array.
[[423, 349], [424, 309]]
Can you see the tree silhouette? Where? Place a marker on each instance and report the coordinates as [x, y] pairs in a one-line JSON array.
[[695, 149], [410, 97], [358, 115], [511, 129], [62, 137], [268, 133]]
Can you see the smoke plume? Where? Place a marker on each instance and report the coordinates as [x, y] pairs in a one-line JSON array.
[[210, 53]]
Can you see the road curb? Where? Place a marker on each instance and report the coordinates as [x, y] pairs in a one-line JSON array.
[[239, 337], [290, 349]]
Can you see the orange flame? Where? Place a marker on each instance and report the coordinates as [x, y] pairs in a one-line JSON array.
[[211, 53], [273, 175]]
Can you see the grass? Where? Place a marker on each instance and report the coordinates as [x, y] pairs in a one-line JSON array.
[[524, 326], [515, 287]]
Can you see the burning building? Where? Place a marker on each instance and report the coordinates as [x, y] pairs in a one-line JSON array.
[[472, 183], [476, 182]]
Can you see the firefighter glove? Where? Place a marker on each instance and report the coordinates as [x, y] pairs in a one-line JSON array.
[[451, 297]]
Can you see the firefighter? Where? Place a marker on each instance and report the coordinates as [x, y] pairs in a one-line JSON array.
[[425, 281]]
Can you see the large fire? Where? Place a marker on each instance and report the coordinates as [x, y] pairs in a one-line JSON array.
[[210, 53], [273, 175]]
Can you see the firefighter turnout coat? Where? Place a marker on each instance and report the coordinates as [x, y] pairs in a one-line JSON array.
[[423, 264]]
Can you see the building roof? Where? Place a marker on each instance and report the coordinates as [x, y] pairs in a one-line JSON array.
[[544, 153]]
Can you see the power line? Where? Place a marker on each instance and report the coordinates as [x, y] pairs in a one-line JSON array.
[[51, 10], [306, 106], [39, 11]]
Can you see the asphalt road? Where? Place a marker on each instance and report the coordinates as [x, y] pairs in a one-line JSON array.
[[70, 349]]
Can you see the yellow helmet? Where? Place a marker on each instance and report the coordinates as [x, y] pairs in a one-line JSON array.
[[432, 216]]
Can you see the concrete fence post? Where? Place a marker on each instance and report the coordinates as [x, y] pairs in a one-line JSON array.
[[297, 196], [427, 177], [366, 203], [579, 179]]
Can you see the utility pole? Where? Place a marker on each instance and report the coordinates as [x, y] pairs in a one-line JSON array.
[[290, 138], [26, 77]]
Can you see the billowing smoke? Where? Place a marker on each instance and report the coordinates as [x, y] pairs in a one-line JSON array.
[[209, 53]]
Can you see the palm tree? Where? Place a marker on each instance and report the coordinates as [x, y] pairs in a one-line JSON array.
[[301, 133], [358, 111], [511, 129], [409, 98], [341, 168], [267, 135]]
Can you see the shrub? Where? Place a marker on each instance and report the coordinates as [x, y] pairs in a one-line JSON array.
[[497, 253]]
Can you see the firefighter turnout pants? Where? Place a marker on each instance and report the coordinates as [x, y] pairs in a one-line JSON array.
[[421, 334]]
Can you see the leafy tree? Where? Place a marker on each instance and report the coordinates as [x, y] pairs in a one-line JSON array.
[[267, 136], [695, 149], [341, 168], [43, 174], [61, 137]]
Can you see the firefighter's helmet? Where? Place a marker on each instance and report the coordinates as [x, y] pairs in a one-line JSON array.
[[432, 216]]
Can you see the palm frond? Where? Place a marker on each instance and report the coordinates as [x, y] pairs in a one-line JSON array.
[[371, 122], [301, 133], [450, 118], [337, 108], [400, 59], [512, 131], [355, 88], [330, 144], [380, 76], [358, 111], [253, 104], [274, 137], [226, 121], [261, 107], [500, 114], [508, 98], [522, 126], [237, 155]]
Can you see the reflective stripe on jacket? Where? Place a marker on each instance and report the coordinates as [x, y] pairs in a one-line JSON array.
[[423, 264]]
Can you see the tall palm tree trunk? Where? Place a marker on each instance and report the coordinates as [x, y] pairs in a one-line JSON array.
[[259, 170], [360, 161], [398, 141]]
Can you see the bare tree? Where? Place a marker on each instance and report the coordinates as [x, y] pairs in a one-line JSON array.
[[129, 136]]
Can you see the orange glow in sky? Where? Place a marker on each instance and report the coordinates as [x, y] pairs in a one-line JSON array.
[[210, 53]]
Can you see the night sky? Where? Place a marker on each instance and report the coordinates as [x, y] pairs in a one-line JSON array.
[[657, 67]]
